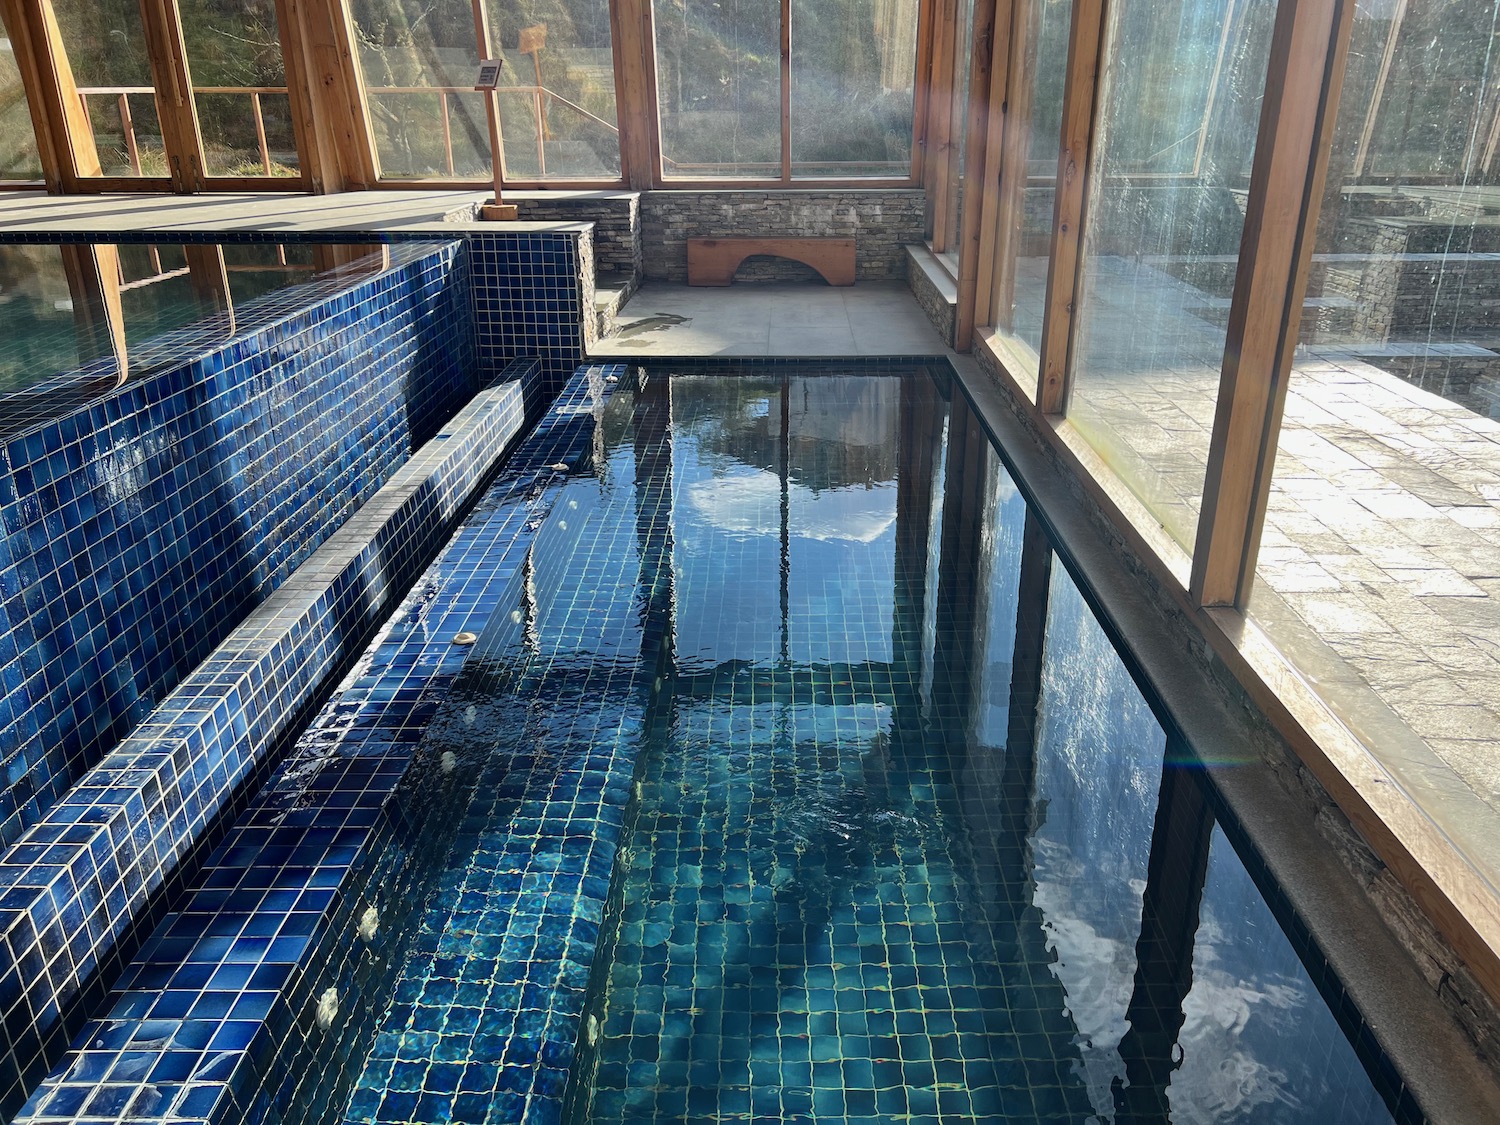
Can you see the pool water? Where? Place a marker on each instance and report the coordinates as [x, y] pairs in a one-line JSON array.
[[65, 308], [885, 828]]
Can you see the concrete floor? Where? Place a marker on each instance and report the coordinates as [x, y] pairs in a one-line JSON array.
[[783, 319]]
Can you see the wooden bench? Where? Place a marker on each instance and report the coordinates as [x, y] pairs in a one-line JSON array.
[[712, 261]]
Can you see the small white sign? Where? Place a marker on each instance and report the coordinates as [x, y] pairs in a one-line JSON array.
[[489, 74]]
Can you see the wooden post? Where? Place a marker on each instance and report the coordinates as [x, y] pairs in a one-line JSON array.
[[176, 109], [786, 91], [922, 87], [330, 109], [497, 208], [985, 122], [1309, 47], [64, 141], [1085, 57], [447, 130], [1367, 134], [260, 133], [633, 40]]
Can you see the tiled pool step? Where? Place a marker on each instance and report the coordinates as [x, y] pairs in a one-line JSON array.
[[76, 891], [489, 1007], [217, 1019]]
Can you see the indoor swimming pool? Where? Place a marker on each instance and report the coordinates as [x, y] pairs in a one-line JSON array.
[[794, 780]]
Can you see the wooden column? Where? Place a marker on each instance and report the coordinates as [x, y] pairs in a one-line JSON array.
[[93, 273], [922, 87], [64, 140], [634, 39], [786, 91], [328, 95], [176, 109], [1309, 47], [994, 304], [984, 121], [1085, 60]]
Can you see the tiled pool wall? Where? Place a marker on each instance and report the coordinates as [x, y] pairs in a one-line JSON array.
[[87, 883], [141, 523], [533, 296], [218, 1017], [139, 529]]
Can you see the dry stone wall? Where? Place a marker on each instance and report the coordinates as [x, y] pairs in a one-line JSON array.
[[880, 220]]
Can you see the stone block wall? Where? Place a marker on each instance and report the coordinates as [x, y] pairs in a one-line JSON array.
[[616, 216], [882, 221], [933, 289]]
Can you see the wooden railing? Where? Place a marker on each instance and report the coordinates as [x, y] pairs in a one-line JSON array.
[[540, 97], [127, 121]]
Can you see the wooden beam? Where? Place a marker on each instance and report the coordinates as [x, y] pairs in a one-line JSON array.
[[1309, 48], [64, 140], [318, 47], [1064, 265], [989, 64], [633, 39], [93, 273], [176, 109]]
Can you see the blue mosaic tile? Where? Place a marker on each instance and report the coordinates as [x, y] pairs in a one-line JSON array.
[[75, 890], [138, 529], [274, 919], [530, 300]]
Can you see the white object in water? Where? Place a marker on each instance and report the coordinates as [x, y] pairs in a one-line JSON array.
[[328, 1008], [465, 638], [449, 761], [369, 924]]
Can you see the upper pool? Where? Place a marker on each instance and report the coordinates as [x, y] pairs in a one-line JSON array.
[[121, 310], [794, 780]]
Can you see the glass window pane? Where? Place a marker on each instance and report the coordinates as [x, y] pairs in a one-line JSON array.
[[718, 77], [18, 156], [558, 120], [239, 87], [853, 71], [106, 48], [1179, 110], [1382, 536], [1043, 61], [419, 59]]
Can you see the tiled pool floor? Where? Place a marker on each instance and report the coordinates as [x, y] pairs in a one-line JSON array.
[[893, 835]]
